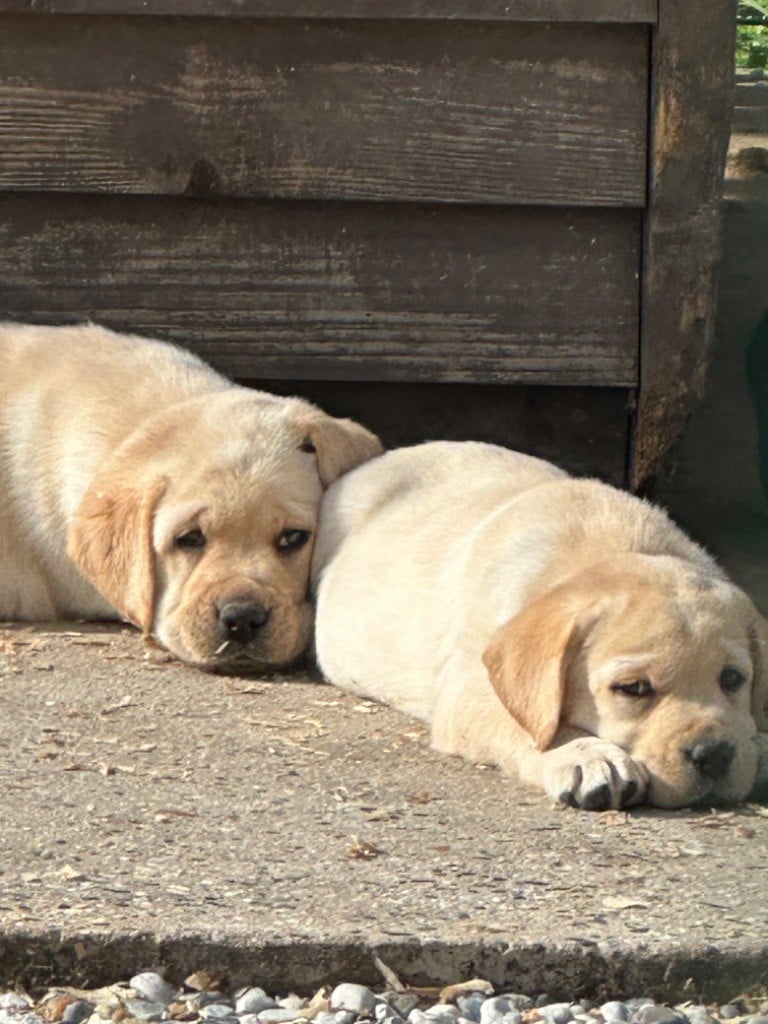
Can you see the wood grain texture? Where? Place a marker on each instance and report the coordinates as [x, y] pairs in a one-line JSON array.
[[339, 291], [423, 111], [624, 11], [691, 101]]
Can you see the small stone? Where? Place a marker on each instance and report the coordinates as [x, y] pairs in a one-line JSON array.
[[518, 1002], [77, 1012], [323, 1017], [615, 1011], [496, 1007], [293, 1002], [253, 1000], [542, 1000], [758, 1018], [216, 1011], [345, 1017], [144, 1010], [15, 1002], [278, 1015], [654, 1014], [384, 1014], [729, 1011], [402, 1002], [417, 1016], [638, 1003], [443, 1013], [152, 987], [349, 996], [470, 1004], [511, 1017], [556, 1013], [697, 1014]]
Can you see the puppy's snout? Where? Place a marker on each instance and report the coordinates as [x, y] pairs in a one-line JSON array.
[[240, 622], [711, 758]]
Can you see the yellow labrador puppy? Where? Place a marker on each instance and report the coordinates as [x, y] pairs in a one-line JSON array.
[[136, 482], [557, 627]]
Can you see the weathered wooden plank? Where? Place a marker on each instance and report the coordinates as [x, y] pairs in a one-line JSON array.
[[623, 11], [432, 111], [339, 291], [691, 100]]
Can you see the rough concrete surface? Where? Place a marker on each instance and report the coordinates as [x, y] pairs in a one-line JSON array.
[[285, 833], [282, 831]]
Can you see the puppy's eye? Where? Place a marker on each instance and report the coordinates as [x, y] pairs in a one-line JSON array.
[[637, 688], [192, 540], [292, 540], [731, 679]]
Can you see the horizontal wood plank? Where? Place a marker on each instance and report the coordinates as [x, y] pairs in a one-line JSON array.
[[339, 291], [434, 112], [624, 11]]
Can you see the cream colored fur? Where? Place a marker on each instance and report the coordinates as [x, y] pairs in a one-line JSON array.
[[492, 596], [112, 446]]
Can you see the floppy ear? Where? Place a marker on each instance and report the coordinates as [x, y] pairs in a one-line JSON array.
[[340, 445], [110, 541], [758, 649], [527, 662]]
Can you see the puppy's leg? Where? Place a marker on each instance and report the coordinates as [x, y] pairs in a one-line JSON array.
[[584, 771], [579, 770]]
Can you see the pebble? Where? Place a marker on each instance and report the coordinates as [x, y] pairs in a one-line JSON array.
[[278, 1015], [14, 1002], [653, 1014], [352, 997], [77, 1012], [149, 999], [614, 1011], [253, 1000], [217, 1011], [470, 1005], [152, 987], [496, 1007], [557, 1013], [144, 1009]]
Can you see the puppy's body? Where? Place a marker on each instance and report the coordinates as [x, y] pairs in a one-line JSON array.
[[104, 438], [426, 556]]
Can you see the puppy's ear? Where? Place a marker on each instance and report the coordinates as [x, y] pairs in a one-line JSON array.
[[110, 541], [340, 445], [527, 662], [758, 649]]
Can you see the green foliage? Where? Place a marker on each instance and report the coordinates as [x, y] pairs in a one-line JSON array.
[[752, 46]]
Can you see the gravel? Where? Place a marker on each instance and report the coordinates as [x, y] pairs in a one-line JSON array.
[[149, 997]]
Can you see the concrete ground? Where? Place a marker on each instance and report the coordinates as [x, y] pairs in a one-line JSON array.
[[286, 834]]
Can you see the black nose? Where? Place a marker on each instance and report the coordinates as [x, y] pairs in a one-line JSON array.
[[241, 622], [711, 758]]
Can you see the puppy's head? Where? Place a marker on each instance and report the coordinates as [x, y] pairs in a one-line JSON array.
[[200, 529], [652, 655]]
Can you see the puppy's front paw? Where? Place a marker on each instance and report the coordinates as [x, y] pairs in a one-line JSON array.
[[594, 775]]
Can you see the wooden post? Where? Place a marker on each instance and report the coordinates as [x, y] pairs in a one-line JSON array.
[[692, 88]]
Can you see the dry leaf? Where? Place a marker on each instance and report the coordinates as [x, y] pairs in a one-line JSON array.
[[359, 849], [623, 903], [450, 992]]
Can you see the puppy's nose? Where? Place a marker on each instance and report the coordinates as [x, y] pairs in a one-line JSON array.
[[241, 622], [711, 758]]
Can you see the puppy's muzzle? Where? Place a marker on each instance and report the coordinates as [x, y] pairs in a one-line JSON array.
[[242, 622], [712, 759]]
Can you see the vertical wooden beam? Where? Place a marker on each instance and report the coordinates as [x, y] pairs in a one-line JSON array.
[[692, 56]]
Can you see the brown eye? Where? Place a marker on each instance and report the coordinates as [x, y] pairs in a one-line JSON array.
[[731, 679], [192, 540], [291, 540], [637, 688]]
